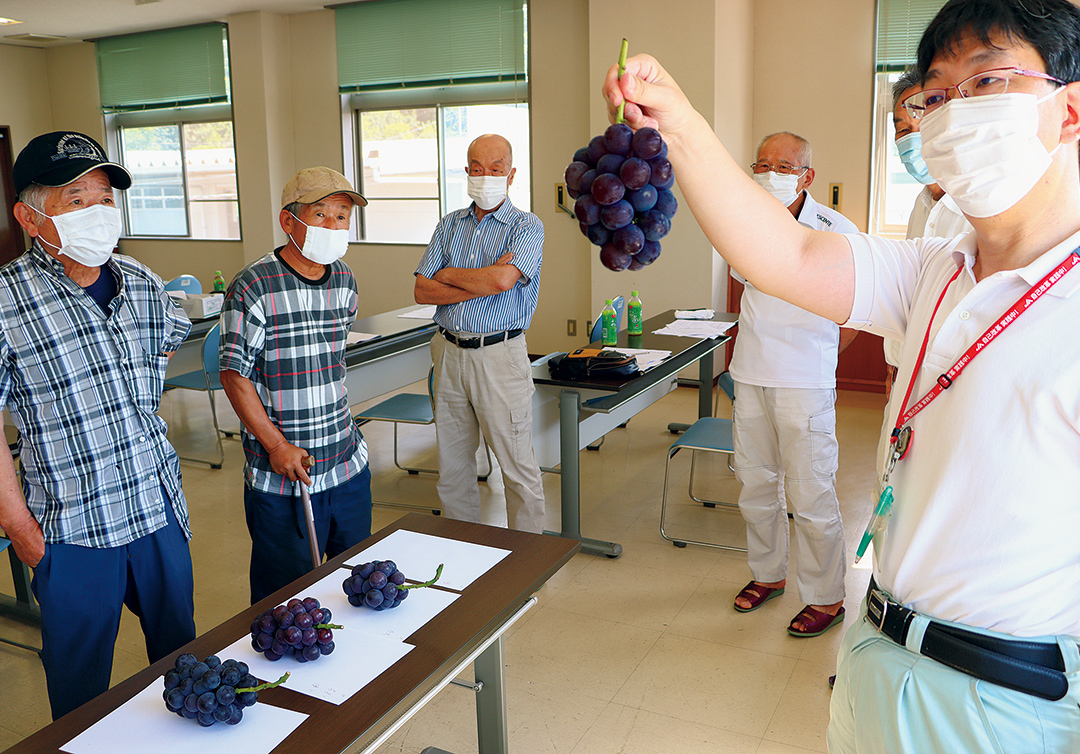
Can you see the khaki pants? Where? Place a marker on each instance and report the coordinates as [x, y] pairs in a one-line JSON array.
[[486, 390]]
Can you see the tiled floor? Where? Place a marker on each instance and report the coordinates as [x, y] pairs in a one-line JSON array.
[[640, 654]]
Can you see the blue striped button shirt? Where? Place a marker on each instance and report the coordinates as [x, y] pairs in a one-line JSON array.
[[462, 241], [83, 390]]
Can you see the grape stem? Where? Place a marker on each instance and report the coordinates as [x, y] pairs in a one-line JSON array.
[[333, 626], [263, 686], [622, 69], [438, 573]]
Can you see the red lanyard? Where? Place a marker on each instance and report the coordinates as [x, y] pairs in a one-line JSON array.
[[945, 381]]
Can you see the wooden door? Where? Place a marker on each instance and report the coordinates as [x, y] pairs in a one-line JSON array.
[[11, 235], [860, 367]]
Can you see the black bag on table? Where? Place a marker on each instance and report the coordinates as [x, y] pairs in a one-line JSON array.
[[587, 363]]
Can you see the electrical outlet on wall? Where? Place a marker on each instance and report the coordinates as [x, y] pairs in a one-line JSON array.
[[571, 327]]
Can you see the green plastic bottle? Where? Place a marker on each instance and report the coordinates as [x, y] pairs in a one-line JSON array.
[[219, 282], [609, 334], [633, 314]]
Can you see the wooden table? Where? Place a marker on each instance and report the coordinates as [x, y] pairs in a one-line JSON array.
[[474, 622]]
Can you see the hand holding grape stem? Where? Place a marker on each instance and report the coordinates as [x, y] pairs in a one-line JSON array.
[[649, 96]]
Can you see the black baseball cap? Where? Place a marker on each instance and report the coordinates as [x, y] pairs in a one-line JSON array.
[[60, 157]]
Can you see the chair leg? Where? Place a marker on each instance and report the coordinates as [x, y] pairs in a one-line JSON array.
[[217, 437], [410, 469], [679, 542]]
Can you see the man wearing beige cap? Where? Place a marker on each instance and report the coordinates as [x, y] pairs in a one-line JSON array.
[[283, 329]]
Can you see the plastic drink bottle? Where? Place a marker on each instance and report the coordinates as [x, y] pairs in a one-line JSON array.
[[219, 282], [609, 335], [633, 314]]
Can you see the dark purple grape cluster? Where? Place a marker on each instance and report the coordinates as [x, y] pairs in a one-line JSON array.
[[211, 691], [300, 628], [380, 585], [622, 186]]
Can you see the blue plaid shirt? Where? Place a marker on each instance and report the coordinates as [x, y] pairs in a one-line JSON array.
[[83, 390], [462, 241]]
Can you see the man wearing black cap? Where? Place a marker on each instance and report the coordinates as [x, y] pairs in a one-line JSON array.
[[84, 339], [284, 328]]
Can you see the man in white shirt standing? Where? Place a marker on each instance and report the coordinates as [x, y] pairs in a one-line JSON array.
[[784, 367]]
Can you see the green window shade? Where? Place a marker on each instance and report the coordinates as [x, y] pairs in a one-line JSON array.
[[168, 68], [384, 44], [900, 26]]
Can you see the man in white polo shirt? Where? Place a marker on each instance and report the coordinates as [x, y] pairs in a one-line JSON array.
[[970, 637], [784, 367]]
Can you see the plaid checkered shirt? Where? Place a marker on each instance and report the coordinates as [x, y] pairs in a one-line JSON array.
[[287, 335], [84, 391]]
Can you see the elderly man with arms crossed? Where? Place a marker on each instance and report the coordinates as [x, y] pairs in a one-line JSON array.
[[482, 268]]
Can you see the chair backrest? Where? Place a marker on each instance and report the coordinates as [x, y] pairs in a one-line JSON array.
[[185, 283], [597, 332], [431, 386], [211, 360], [727, 384]]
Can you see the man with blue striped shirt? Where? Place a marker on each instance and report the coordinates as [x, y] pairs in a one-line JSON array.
[[482, 269]]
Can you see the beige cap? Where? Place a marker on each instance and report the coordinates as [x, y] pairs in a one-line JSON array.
[[313, 184]]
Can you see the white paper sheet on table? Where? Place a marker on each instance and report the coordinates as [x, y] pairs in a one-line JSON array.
[[647, 358], [142, 724], [692, 328], [353, 338], [694, 313], [398, 623], [423, 312], [418, 556], [357, 659]]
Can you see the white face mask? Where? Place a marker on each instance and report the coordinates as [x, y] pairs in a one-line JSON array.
[[87, 235], [323, 245], [488, 191], [783, 187], [985, 151]]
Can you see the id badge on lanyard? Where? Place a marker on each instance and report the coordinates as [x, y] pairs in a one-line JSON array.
[[902, 434]]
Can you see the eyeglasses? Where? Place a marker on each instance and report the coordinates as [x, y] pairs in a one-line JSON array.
[[992, 83], [764, 167]]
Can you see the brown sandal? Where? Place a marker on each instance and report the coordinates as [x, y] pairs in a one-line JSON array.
[[817, 624], [757, 595]]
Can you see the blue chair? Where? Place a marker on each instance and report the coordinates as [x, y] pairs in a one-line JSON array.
[[4, 544], [709, 434], [209, 379], [410, 408], [597, 331], [185, 283]]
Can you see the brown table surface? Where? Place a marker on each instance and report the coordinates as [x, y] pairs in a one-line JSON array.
[[440, 644]]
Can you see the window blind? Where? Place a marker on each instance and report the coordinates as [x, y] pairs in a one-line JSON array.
[[393, 44], [900, 25], [167, 68]]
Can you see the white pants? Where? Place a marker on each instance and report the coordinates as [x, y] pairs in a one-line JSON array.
[[487, 390], [785, 439]]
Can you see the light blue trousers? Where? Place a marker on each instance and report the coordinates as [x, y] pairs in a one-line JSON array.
[[889, 698]]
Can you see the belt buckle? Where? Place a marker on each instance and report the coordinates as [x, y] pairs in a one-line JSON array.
[[876, 598]]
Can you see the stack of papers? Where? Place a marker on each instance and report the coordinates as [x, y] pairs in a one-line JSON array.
[[647, 358], [694, 313], [693, 328], [423, 312]]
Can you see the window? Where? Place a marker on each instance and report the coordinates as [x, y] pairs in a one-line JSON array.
[[900, 25], [165, 95], [184, 180], [419, 80], [412, 164]]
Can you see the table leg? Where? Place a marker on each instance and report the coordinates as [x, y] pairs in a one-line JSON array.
[[705, 385], [570, 477], [491, 730]]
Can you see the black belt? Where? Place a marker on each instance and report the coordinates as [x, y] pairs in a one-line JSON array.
[[1031, 667], [487, 340]]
